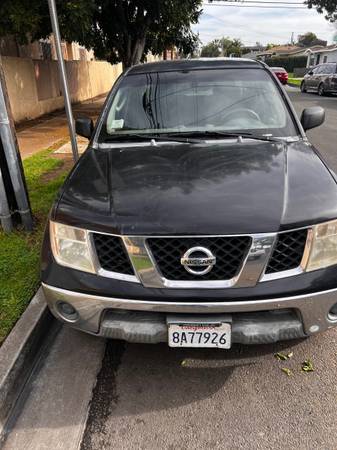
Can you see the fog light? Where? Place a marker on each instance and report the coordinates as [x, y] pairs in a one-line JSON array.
[[67, 311], [333, 312]]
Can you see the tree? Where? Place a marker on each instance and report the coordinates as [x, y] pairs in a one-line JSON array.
[[230, 46], [210, 50], [327, 7], [223, 47], [118, 30], [307, 39]]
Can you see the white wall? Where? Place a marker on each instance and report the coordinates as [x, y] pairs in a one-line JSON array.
[[330, 57]]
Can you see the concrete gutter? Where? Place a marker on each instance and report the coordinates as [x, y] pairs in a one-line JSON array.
[[20, 353]]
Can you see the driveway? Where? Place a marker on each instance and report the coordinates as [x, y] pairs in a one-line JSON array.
[[154, 397]]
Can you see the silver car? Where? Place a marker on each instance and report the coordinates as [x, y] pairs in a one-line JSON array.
[[321, 79]]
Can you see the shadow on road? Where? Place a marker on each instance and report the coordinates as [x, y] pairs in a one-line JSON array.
[[137, 379]]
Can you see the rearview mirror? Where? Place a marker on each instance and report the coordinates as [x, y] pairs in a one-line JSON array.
[[84, 126], [312, 117]]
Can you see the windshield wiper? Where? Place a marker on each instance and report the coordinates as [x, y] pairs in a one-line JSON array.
[[209, 133], [152, 136]]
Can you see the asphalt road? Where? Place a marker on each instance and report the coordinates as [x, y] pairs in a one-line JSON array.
[[325, 136], [154, 397]]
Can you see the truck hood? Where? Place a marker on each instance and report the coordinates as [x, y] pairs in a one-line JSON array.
[[210, 188]]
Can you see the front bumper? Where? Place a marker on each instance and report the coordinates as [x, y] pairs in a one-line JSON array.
[[253, 321]]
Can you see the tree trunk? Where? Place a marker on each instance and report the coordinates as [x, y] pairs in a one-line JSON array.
[[135, 55], [138, 50]]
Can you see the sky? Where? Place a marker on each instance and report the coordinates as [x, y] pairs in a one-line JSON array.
[[253, 25]]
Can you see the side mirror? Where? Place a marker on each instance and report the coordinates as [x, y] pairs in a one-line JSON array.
[[312, 117], [84, 126], [310, 72]]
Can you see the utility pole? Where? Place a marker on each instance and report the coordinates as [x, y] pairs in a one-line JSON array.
[[5, 214], [13, 192], [63, 77]]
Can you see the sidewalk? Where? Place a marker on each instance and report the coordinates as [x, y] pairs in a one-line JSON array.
[[45, 131]]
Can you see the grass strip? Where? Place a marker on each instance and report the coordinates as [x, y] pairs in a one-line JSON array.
[[20, 251], [296, 81]]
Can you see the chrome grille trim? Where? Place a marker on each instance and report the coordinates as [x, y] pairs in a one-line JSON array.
[[229, 253], [298, 270], [102, 272], [251, 272]]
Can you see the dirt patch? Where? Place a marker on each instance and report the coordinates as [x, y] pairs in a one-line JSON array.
[[65, 167], [56, 145]]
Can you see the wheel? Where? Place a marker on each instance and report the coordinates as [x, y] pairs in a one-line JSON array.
[[321, 90], [303, 88]]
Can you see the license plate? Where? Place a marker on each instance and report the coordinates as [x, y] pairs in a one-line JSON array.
[[216, 335]]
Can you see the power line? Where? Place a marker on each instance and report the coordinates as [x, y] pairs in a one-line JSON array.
[[236, 25], [260, 6]]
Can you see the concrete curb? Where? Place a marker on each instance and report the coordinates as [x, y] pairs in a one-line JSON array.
[[19, 353], [294, 85]]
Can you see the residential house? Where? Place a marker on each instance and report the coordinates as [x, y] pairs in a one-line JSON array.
[[251, 51], [287, 51], [322, 55]]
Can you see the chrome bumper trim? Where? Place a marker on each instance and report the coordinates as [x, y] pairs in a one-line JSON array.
[[313, 308]]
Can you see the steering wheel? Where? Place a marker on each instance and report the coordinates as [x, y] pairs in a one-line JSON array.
[[240, 112], [120, 104]]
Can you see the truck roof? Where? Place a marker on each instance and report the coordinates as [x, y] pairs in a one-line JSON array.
[[191, 64]]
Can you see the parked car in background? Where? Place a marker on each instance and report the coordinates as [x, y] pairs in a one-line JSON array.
[[199, 215], [321, 79], [281, 74]]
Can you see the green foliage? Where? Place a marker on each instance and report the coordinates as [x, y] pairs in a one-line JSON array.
[[222, 47], [25, 18], [327, 7], [20, 251], [307, 39], [288, 62], [210, 50], [230, 46], [117, 30]]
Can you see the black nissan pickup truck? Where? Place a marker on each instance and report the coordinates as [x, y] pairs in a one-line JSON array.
[[199, 215]]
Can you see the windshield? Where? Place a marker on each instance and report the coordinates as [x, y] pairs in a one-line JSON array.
[[238, 100]]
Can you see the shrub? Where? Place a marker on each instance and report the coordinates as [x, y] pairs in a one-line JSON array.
[[288, 62]]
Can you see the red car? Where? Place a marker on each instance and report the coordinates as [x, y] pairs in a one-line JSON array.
[[281, 74]]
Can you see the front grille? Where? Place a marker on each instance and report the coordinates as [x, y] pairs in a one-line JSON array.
[[111, 254], [230, 253], [288, 251]]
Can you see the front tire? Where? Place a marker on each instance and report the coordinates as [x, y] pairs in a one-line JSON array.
[[303, 88], [320, 90]]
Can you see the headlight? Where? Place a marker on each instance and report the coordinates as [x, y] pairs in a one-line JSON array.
[[71, 247], [324, 246]]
